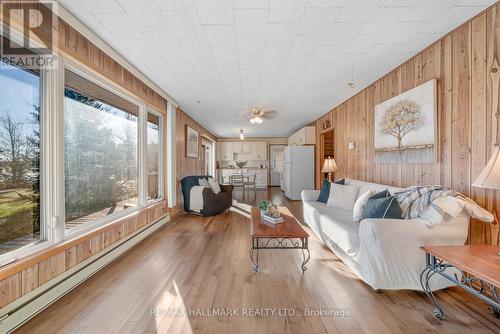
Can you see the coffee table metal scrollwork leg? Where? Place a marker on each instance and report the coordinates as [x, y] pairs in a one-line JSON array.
[[255, 250], [425, 277], [305, 259], [305, 249]]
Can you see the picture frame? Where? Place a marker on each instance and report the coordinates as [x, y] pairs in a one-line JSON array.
[[192, 142], [406, 126]]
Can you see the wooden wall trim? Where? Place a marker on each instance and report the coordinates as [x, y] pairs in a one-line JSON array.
[[30, 260], [460, 62]]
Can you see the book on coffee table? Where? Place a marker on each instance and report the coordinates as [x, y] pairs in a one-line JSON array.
[[274, 220]]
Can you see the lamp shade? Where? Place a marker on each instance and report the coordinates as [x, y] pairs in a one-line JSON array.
[[329, 166], [490, 176]]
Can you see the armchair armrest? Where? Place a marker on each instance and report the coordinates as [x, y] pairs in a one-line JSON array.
[[310, 195], [226, 188]]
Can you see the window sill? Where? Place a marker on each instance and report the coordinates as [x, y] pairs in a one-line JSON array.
[[51, 249]]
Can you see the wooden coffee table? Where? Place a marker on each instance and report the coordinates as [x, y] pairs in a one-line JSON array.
[[478, 267], [286, 235]]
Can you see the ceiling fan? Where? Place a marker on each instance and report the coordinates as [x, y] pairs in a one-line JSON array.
[[258, 115]]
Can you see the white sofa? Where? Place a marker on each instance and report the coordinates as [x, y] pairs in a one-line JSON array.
[[384, 253]]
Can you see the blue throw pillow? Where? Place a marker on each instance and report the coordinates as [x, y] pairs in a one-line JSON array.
[[381, 194], [324, 192], [385, 207]]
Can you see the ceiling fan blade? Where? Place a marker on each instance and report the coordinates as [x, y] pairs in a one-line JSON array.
[[270, 114]]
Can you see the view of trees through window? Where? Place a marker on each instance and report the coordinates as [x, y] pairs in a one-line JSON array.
[[19, 157], [100, 152], [153, 136]]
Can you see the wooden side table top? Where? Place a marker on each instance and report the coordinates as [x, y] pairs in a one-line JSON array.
[[290, 228], [481, 261]]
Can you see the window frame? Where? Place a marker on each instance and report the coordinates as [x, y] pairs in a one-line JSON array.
[[158, 114], [46, 91], [106, 84], [52, 176]]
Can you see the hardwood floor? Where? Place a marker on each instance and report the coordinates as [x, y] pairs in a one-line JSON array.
[[202, 264]]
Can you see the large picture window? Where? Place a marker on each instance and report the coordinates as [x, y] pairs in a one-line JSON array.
[[19, 157], [100, 152]]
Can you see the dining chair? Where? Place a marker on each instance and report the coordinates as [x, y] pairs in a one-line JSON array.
[[250, 182], [238, 181]]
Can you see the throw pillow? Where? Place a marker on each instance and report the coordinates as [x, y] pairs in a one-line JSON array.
[[342, 196], [214, 185], [359, 206], [386, 207], [324, 192], [382, 194], [203, 182]]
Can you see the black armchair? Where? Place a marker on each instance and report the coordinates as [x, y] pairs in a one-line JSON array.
[[213, 204]]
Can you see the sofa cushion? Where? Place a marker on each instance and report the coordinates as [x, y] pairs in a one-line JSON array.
[[333, 226], [385, 207], [342, 196], [365, 186], [325, 190]]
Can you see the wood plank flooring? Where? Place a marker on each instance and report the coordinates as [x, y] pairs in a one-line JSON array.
[[202, 264]]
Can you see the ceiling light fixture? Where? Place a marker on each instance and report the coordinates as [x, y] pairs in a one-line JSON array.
[[242, 136], [351, 83], [256, 120]]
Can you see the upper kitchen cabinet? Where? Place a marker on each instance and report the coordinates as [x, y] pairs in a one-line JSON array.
[[225, 151], [305, 136], [258, 151], [241, 147]]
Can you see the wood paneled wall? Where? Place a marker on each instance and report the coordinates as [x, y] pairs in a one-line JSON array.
[[460, 62], [27, 274], [186, 166], [22, 277]]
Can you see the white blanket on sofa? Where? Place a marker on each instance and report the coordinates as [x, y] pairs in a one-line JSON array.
[[415, 200], [196, 198]]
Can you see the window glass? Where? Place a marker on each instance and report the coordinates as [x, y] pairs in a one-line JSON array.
[[153, 156], [19, 157], [100, 152]]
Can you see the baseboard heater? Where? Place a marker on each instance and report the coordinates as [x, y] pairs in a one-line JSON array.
[[23, 309]]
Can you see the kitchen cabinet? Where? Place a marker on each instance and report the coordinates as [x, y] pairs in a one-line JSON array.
[[241, 147], [305, 136], [225, 151], [258, 151], [261, 178]]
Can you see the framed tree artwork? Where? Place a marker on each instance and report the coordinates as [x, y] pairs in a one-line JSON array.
[[406, 127], [192, 142]]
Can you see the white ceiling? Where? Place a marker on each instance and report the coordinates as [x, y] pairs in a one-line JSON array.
[[294, 56]]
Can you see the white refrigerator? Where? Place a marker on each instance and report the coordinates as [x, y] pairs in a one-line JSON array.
[[298, 171]]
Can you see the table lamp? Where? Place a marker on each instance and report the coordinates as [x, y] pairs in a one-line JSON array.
[[490, 175], [329, 167]]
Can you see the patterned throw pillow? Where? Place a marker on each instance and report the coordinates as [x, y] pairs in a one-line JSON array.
[[324, 192], [203, 182], [214, 185]]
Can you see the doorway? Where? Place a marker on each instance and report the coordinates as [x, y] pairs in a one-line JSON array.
[[207, 157], [277, 158], [326, 150]]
